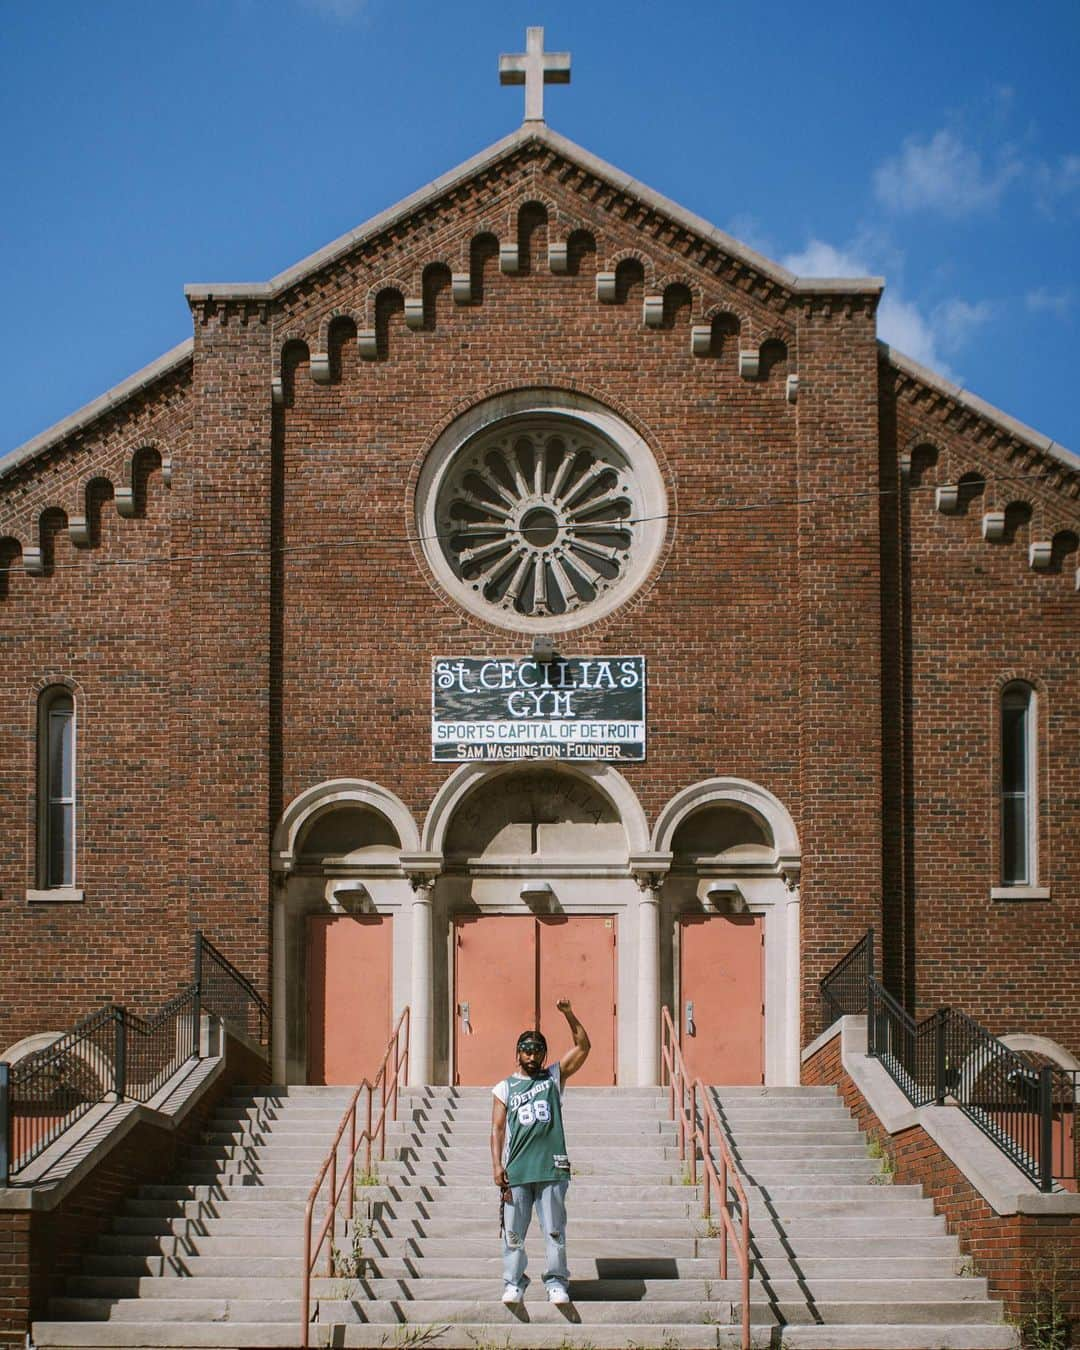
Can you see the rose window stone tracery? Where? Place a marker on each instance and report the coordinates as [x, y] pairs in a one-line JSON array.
[[540, 510], [538, 520]]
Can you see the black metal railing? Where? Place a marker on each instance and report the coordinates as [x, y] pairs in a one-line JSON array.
[[843, 990], [116, 1055], [228, 994], [1024, 1103]]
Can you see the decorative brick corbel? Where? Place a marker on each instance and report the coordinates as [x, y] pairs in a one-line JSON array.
[[559, 257], [78, 530], [993, 526], [367, 343], [701, 339], [1040, 555], [749, 362], [652, 311], [947, 498], [791, 389], [277, 391], [320, 367], [461, 287], [166, 470], [509, 260], [125, 502], [33, 563], [414, 313], [605, 287]]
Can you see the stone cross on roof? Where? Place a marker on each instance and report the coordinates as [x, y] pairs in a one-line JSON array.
[[534, 68]]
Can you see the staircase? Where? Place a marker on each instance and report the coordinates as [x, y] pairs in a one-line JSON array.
[[841, 1257]]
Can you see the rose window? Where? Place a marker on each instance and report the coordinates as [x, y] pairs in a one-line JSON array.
[[539, 521], [542, 521]]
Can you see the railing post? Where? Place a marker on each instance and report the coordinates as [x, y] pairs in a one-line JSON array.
[[119, 1053], [5, 1123], [196, 1011], [1046, 1128], [940, 1058], [871, 1018], [693, 1133], [367, 1135]]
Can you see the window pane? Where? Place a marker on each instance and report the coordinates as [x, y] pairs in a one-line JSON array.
[[61, 757], [61, 854], [1013, 747], [1014, 840]]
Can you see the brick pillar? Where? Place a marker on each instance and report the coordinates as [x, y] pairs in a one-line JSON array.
[[839, 626], [222, 625]]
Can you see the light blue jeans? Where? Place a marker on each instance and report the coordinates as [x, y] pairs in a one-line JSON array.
[[549, 1199]]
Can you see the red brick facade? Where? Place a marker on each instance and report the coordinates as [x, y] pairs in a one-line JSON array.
[[1023, 1256], [264, 622]]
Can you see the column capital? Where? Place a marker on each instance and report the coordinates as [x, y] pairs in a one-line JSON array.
[[649, 869], [422, 871]]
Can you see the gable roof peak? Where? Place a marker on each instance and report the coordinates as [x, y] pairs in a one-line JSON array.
[[540, 133]]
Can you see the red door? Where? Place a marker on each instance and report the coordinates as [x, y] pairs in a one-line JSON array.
[[495, 992], [721, 1009], [577, 961], [509, 971], [349, 996]]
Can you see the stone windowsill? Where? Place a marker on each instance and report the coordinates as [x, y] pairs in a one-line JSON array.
[[56, 895], [1019, 892]]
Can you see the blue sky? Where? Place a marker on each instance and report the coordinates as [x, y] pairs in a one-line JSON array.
[[148, 144]]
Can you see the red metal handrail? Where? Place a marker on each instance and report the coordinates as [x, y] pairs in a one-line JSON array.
[[386, 1084], [720, 1172]]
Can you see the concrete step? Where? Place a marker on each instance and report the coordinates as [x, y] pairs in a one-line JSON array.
[[527, 1336], [190, 1291], [914, 1336]]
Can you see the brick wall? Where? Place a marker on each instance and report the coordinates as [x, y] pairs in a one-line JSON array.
[[1021, 1255], [39, 1249], [274, 653]]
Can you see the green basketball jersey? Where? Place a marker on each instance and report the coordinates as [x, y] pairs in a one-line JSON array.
[[535, 1142]]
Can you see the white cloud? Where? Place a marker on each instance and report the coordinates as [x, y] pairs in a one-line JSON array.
[[1055, 183], [942, 174], [1044, 301], [901, 323], [956, 321], [820, 259]]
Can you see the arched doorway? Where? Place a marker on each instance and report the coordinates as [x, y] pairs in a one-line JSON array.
[[534, 902], [730, 931], [337, 928]]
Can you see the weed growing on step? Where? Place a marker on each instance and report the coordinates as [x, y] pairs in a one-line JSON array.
[[1047, 1325], [480, 1343], [361, 1179], [350, 1264], [876, 1149], [414, 1337]]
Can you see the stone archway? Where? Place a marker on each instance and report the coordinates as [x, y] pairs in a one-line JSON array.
[[337, 851], [545, 849], [735, 851]]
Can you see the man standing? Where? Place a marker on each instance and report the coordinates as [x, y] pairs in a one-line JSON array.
[[529, 1162]]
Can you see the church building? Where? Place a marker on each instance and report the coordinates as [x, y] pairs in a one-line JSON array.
[[537, 593]]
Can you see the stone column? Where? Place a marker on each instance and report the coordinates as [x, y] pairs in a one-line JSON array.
[[421, 1000], [649, 979], [648, 870]]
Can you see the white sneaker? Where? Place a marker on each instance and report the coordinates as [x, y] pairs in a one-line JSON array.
[[557, 1294], [512, 1294]]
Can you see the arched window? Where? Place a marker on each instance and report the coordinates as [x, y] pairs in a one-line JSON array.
[[1018, 786], [56, 789]]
